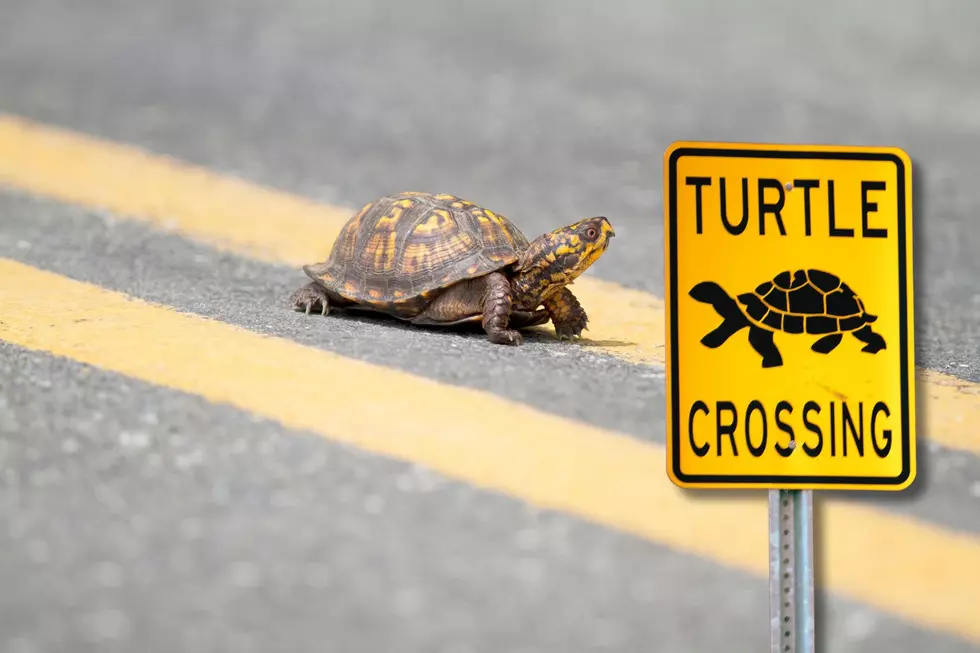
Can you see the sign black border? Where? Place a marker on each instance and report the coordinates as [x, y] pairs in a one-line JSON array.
[[903, 322]]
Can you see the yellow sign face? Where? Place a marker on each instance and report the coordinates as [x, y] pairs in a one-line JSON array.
[[790, 301]]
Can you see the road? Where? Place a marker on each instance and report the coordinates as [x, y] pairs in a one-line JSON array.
[[156, 508]]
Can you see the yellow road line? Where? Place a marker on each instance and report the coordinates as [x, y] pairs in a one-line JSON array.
[[280, 228], [915, 570]]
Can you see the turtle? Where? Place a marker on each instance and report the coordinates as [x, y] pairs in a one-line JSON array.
[[812, 302], [438, 259]]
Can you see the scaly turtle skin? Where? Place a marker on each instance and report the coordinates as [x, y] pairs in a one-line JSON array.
[[440, 260], [805, 301]]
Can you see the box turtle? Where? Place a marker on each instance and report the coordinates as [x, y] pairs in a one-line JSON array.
[[438, 260], [805, 301]]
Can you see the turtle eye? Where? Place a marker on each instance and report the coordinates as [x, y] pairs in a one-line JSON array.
[[591, 233]]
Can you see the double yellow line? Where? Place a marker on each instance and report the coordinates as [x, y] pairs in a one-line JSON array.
[[923, 573], [275, 227]]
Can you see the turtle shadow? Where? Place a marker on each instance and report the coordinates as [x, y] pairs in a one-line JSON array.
[[538, 334], [471, 331], [361, 316], [545, 334], [588, 342]]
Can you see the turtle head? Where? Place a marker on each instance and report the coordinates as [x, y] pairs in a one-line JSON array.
[[555, 259]]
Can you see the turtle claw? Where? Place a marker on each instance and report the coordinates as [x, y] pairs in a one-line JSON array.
[[571, 329], [506, 337], [569, 333]]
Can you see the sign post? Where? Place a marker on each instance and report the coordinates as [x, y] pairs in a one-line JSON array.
[[791, 615], [790, 340]]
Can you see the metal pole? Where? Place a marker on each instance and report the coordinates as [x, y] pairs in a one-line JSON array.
[[791, 571]]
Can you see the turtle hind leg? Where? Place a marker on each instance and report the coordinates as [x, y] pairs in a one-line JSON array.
[[311, 298], [873, 342], [762, 342], [827, 344]]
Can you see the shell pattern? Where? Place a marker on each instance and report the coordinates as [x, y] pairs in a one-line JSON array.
[[805, 301], [397, 251]]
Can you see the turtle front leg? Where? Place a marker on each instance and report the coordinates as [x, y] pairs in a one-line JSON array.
[[311, 297], [762, 341], [497, 303], [567, 314]]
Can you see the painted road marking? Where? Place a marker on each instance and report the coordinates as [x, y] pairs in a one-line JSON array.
[[275, 227], [617, 481]]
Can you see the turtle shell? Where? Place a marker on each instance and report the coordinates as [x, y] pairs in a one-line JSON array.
[[805, 301], [399, 251]]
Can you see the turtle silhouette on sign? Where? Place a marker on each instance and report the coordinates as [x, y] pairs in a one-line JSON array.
[[813, 302]]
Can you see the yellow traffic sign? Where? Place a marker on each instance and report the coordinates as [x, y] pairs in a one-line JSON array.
[[790, 359]]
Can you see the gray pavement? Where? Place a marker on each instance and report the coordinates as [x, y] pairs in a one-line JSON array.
[[135, 518], [551, 376], [544, 113]]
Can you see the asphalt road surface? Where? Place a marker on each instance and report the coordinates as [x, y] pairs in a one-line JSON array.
[[137, 517]]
